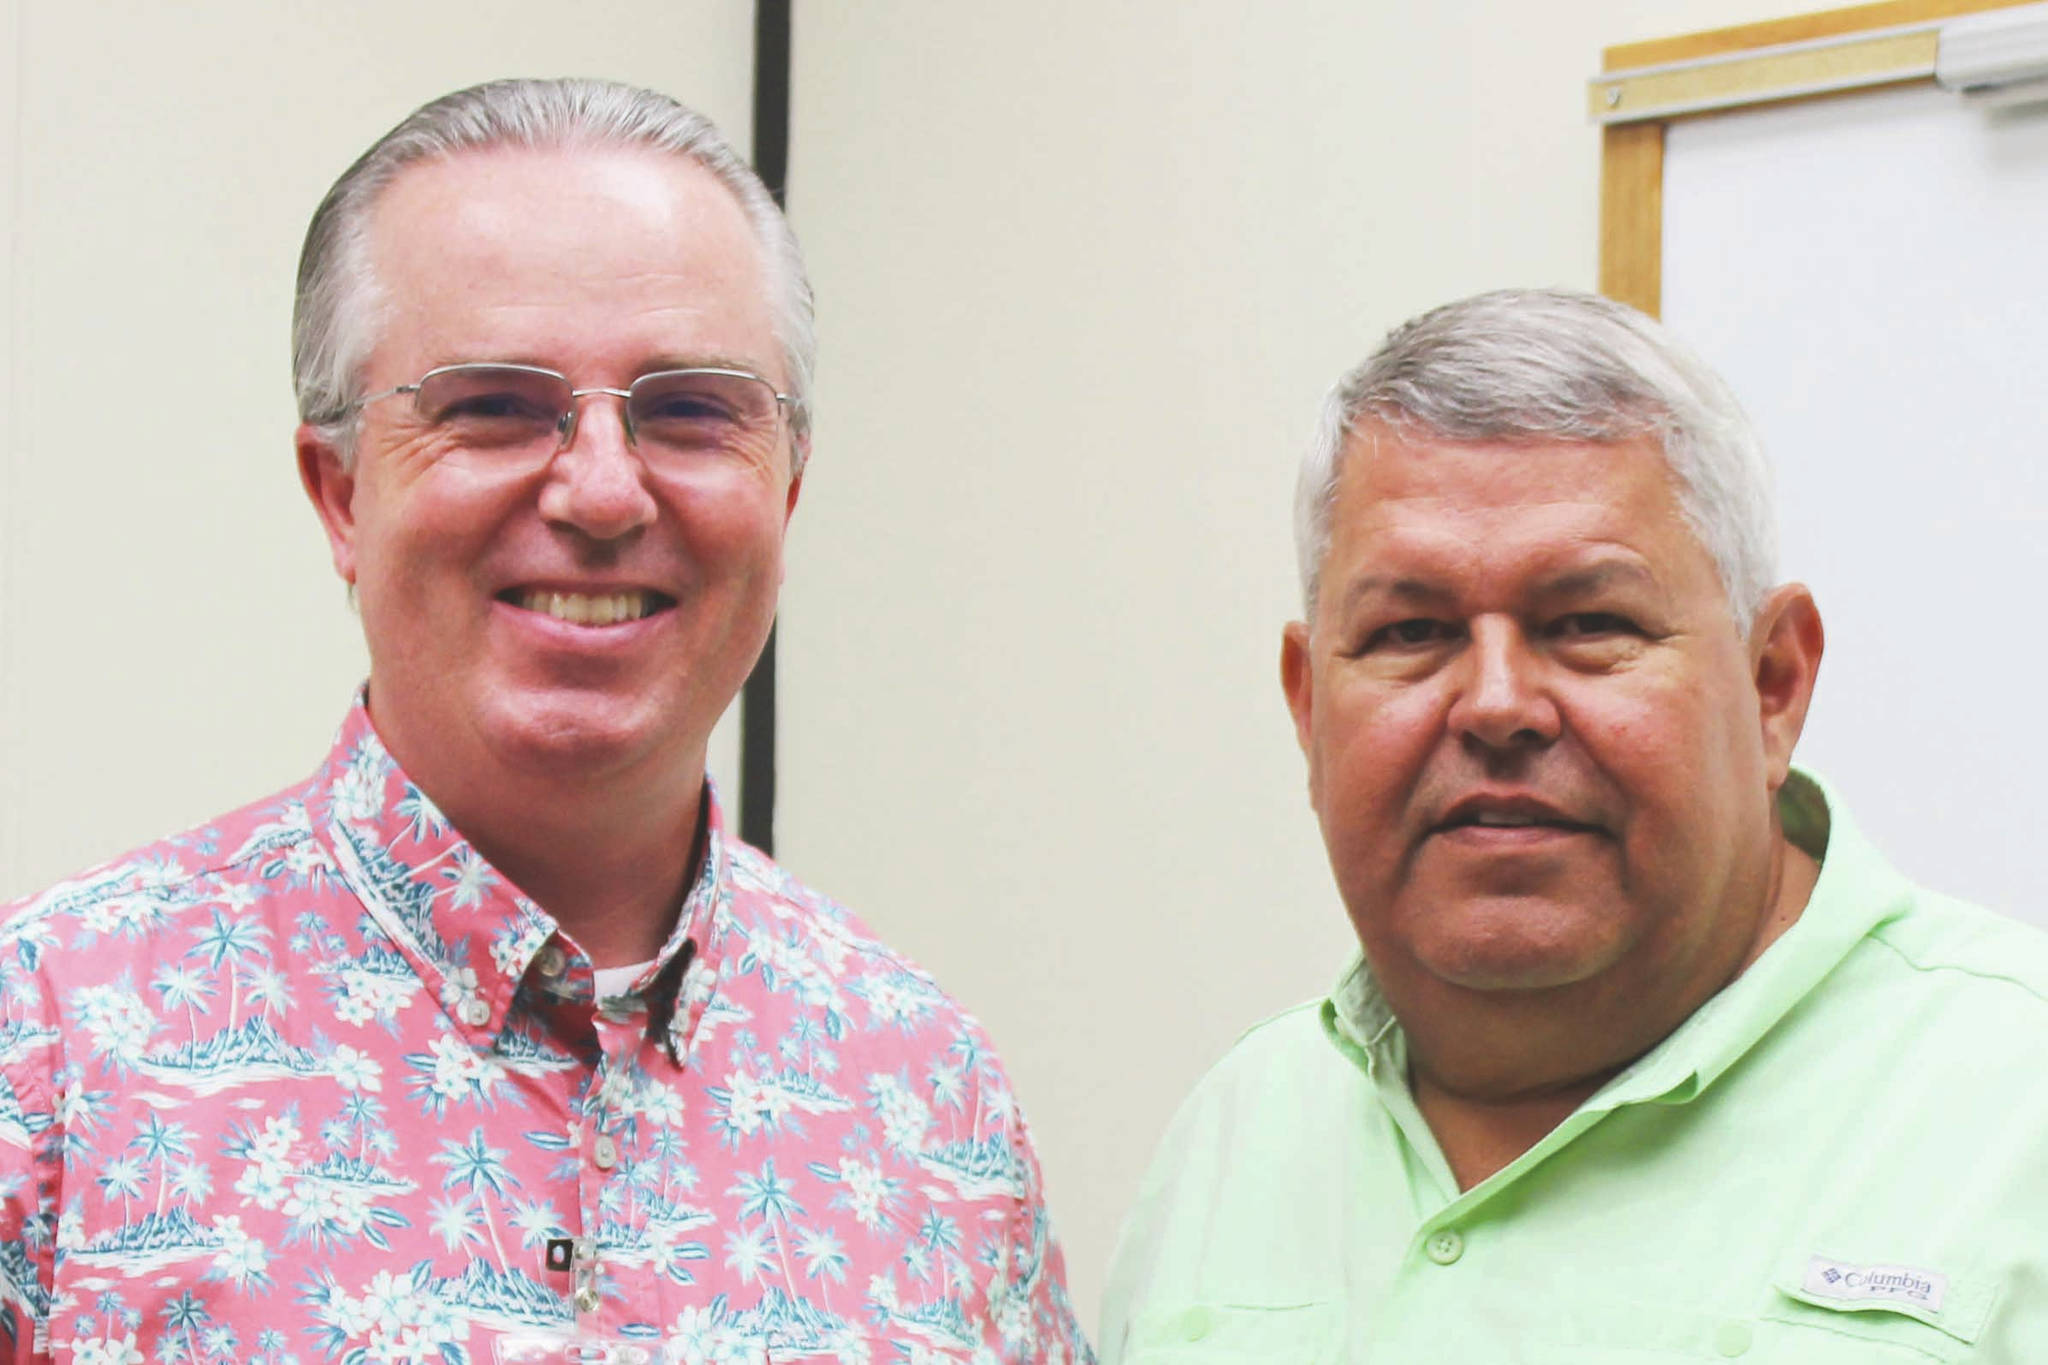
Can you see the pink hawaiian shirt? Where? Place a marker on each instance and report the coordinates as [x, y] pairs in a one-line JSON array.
[[315, 1083]]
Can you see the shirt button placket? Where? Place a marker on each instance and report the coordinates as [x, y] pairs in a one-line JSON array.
[[587, 1298], [600, 1153]]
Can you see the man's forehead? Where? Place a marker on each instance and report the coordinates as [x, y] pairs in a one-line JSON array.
[[488, 253], [1379, 460], [583, 190], [1560, 517]]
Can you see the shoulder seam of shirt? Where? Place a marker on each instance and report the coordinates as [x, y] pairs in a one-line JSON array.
[[124, 861], [212, 868], [800, 897], [1278, 1017], [1884, 939], [1232, 1059]]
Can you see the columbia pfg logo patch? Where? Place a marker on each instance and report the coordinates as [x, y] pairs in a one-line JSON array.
[[1851, 1283]]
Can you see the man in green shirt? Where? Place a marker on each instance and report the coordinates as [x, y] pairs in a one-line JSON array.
[[1648, 1055]]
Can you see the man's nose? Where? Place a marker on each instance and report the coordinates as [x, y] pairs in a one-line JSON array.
[[1504, 701], [597, 482]]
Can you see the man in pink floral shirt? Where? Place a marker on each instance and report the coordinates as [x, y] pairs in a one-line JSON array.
[[487, 1043]]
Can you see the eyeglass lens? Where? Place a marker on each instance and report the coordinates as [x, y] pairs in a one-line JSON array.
[[682, 415]]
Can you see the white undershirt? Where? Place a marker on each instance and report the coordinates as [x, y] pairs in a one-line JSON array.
[[615, 981]]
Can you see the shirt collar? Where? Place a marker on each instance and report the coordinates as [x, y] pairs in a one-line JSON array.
[[461, 925], [1857, 891]]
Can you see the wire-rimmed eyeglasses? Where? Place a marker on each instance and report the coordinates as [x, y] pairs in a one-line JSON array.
[[514, 414]]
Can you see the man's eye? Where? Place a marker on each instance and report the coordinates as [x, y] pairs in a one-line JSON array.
[[684, 408], [1581, 624], [493, 407], [1410, 634]]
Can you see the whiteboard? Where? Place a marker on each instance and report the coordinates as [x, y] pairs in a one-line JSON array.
[[1870, 273]]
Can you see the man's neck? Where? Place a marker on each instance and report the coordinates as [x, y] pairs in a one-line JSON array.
[[608, 855], [1483, 1130], [1480, 1137], [614, 885]]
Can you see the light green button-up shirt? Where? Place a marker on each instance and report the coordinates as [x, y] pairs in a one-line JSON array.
[[1842, 1157]]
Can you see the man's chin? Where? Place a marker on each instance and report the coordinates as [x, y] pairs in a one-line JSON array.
[[1495, 973], [1519, 949], [571, 736]]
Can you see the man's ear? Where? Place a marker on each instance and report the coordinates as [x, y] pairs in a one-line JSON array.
[[1297, 679], [332, 489], [796, 486], [1785, 648]]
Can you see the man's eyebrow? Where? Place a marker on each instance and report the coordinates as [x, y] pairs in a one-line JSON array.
[[1416, 590], [702, 361], [670, 360], [1595, 578]]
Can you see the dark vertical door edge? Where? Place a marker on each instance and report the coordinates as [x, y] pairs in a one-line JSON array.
[[771, 162]]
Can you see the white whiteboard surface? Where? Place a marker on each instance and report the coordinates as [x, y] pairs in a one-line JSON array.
[[1871, 275]]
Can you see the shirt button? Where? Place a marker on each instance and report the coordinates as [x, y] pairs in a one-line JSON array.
[[1195, 1324], [475, 1013], [586, 1300], [552, 960], [1733, 1338], [1445, 1246], [605, 1153]]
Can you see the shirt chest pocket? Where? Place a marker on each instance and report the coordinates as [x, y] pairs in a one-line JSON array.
[[1196, 1333], [1773, 1328], [1919, 1315]]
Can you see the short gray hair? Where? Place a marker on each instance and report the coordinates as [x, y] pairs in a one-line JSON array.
[[1527, 365], [334, 320]]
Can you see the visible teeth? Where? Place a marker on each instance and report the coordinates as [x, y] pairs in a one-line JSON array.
[[585, 610]]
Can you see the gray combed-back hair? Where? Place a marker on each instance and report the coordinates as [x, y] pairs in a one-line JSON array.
[[1527, 366], [335, 319]]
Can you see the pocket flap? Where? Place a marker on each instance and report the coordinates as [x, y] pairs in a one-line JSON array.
[[1958, 1305]]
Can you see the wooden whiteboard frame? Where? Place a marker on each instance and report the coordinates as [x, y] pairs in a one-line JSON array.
[[1775, 62]]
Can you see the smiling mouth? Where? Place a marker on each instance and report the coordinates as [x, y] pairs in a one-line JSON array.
[[590, 609]]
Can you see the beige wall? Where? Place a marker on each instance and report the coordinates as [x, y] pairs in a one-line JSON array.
[[1085, 270], [172, 641]]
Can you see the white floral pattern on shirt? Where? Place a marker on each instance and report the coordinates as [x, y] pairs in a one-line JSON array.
[[300, 1086]]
